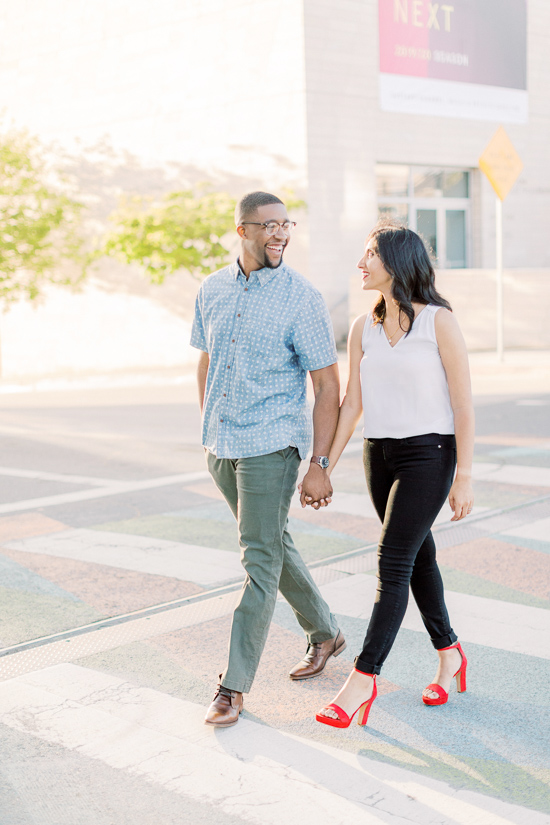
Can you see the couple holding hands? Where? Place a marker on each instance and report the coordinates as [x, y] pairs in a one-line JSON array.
[[261, 327]]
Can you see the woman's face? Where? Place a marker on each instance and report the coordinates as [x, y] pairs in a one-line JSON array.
[[375, 275]]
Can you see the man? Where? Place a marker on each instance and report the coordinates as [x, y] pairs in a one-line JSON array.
[[261, 328]]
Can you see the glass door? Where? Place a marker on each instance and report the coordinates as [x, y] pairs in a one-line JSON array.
[[426, 225], [455, 239], [444, 230]]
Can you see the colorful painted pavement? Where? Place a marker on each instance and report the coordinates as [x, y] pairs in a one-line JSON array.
[[149, 570]]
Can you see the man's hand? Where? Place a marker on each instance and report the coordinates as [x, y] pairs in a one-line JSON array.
[[315, 488]]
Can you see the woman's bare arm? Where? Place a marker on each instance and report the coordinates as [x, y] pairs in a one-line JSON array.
[[454, 357], [352, 404]]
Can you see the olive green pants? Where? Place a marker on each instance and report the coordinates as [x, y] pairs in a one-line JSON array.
[[259, 491]]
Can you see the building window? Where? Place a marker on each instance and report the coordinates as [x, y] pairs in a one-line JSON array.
[[433, 202]]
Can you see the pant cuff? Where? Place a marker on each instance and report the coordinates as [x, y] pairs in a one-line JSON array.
[[234, 684], [317, 638], [366, 667], [445, 641]]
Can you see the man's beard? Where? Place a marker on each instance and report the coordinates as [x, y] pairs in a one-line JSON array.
[[268, 264]]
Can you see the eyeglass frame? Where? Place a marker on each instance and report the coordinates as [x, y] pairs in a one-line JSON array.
[[265, 224]]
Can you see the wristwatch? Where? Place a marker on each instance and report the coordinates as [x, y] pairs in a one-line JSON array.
[[321, 460]]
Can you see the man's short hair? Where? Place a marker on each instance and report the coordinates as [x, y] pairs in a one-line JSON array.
[[249, 204]]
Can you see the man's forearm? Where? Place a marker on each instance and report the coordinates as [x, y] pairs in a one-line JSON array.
[[202, 372], [326, 385], [325, 419]]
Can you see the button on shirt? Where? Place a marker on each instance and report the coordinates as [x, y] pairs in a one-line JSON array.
[[262, 337]]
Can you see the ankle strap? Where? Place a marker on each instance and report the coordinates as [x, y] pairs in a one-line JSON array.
[[365, 674]]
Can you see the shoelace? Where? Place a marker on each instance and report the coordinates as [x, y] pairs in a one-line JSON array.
[[224, 691]]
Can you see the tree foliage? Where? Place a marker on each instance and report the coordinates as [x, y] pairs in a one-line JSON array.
[[183, 230], [40, 238]]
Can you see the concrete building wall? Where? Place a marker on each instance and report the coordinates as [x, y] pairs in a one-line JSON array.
[[340, 83], [348, 135]]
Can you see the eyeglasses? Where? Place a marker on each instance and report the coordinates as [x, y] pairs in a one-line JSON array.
[[271, 227]]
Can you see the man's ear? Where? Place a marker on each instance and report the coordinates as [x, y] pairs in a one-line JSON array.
[[241, 231]]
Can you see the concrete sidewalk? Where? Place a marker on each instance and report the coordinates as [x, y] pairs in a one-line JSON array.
[[120, 565], [520, 372]]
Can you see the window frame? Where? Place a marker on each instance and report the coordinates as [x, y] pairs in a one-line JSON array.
[[439, 203]]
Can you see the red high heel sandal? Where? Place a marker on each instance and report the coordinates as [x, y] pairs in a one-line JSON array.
[[460, 677], [344, 721]]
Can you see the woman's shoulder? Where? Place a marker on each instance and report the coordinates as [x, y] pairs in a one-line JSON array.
[[362, 321], [445, 325], [438, 316], [443, 316], [358, 327], [432, 309], [433, 321]]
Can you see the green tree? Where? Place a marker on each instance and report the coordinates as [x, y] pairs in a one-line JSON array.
[[40, 239], [184, 230]]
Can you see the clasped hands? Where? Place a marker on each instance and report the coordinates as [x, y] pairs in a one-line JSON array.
[[315, 488]]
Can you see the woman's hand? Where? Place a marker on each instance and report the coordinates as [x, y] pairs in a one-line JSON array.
[[308, 500], [461, 497], [316, 489]]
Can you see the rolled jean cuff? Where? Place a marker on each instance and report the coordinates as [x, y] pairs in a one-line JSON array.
[[445, 641], [365, 667]]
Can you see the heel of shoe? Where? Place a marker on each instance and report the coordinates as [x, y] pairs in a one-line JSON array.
[[460, 675], [461, 680], [364, 710], [340, 649], [364, 714]]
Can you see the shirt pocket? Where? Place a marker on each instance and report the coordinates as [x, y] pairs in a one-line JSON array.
[[265, 350]]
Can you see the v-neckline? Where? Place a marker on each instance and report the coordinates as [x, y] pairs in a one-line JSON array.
[[393, 346]]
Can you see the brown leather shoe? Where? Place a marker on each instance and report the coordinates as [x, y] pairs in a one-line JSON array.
[[225, 708], [317, 655]]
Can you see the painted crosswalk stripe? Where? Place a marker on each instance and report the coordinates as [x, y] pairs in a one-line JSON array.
[[253, 771]]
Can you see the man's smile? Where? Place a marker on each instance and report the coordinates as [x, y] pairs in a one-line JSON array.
[[276, 248]]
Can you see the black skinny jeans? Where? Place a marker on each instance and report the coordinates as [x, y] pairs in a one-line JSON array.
[[408, 481]]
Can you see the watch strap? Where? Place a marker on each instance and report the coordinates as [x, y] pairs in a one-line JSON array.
[[321, 460]]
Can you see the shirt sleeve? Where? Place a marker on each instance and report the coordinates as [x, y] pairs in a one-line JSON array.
[[313, 334], [198, 335]]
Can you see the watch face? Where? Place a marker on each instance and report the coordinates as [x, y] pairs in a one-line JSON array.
[[323, 461]]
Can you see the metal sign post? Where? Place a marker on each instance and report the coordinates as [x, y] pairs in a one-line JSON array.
[[500, 286], [502, 165]]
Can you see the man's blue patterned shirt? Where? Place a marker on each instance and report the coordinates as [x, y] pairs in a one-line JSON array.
[[262, 337]]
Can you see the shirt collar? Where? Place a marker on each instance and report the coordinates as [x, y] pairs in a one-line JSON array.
[[263, 275]]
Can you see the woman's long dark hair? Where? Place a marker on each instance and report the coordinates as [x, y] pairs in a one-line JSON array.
[[406, 259]]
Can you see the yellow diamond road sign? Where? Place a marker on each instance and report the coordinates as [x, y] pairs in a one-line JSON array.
[[501, 163]]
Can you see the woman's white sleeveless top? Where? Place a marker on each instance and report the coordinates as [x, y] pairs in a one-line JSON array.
[[404, 388]]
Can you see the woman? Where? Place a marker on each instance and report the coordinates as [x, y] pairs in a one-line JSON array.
[[409, 375]]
